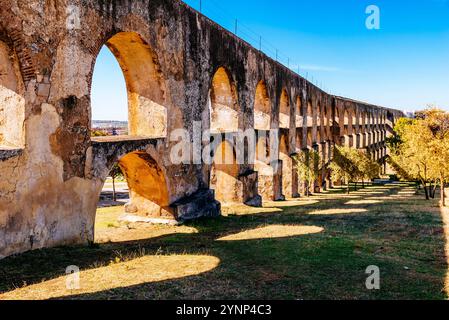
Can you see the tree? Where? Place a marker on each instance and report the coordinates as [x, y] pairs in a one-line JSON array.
[[421, 150], [437, 121], [368, 168], [344, 166], [307, 164], [400, 127], [98, 133]]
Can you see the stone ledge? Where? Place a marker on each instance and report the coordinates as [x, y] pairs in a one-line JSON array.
[[115, 139], [8, 153]]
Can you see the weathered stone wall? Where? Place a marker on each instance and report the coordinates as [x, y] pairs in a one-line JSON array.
[[51, 173]]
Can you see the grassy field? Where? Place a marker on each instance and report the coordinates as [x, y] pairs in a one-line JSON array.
[[317, 248]]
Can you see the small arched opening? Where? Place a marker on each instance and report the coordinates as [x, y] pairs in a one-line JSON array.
[[149, 200]]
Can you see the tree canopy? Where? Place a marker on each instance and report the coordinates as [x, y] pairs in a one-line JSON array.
[[352, 165], [307, 165], [420, 149]]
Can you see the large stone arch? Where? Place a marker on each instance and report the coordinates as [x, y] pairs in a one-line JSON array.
[[309, 113], [148, 185], [299, 113], [284, 110], [288, 188], [12, 101], [319, 114], [262, 108], [300, 123], [309, 138], [327, 120], [347, 120], [224, 175], [146, 87], [223, 103]]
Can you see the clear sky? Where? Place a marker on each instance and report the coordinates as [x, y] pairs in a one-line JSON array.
[[404, 64]]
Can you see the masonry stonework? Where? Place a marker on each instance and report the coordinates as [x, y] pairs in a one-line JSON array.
[[180, 68]]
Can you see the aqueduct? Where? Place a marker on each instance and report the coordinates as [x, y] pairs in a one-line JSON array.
[[180, 68]]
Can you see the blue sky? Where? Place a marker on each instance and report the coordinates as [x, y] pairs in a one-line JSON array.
[[403, 65]]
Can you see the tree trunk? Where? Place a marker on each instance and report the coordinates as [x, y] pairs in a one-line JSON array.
[[114, 196], [355, 186], [442, 195], [432, 189], [425, 190], [349, 187]]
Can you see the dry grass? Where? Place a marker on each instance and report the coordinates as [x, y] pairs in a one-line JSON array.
[[337, 211], [445, 216], [308, 248], [108, 229], [272, 232], [119, 274]]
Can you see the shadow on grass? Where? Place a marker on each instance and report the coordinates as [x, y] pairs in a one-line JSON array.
[[403, 236]]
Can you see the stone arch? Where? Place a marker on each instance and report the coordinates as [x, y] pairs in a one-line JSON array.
[[299, 119], [12, 101], [223, 105], [389, 120], [299, 123], [354, 118], [365, 120], [336, 120], [262, 108], [287, 167], [146, 88], [346, 121], [319, 139], [224, 174], [309, 114], [265, 172], [309, 138], [327, 121], [319, 114], [284, 110], [148, 185], [376, 119]]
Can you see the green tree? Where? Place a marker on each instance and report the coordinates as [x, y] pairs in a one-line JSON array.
[[400, 127], [98, 133], [344, 166], [307, 164], [421, 151], [367, 168]]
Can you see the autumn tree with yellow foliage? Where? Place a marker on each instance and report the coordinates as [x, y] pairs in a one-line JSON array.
[[420, 150], [352, 165]]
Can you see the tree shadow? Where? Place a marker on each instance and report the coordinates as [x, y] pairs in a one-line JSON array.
[[326, 265]]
